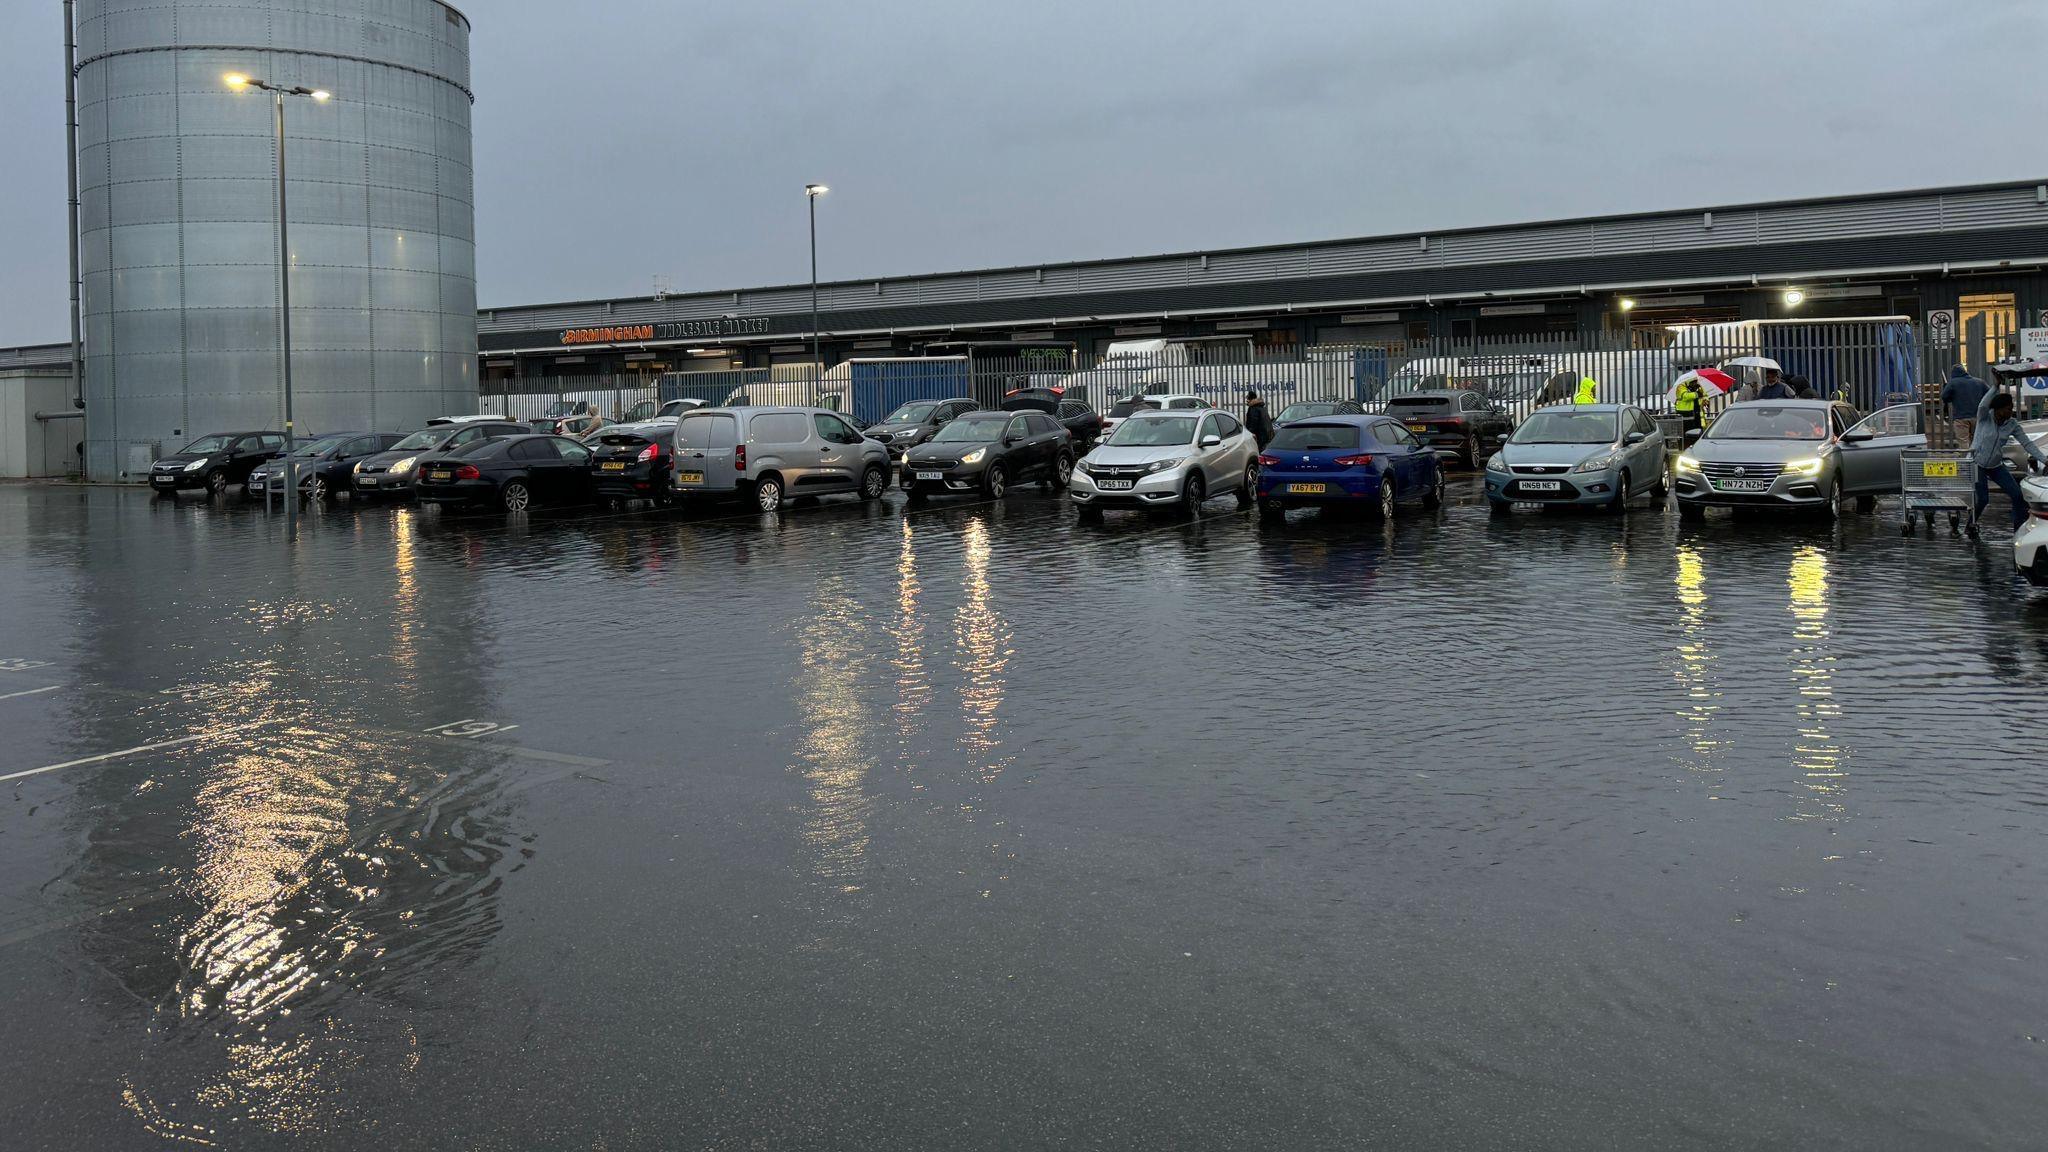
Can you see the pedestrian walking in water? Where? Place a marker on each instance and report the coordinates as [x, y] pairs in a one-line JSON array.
[[1257, 420], [1963, 393], [1995, 425]]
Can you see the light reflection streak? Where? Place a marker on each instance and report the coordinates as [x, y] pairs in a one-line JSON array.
[[981, 640], [913, 682], [1820, 761], [405, 601], [834, 759], [1695, 670]]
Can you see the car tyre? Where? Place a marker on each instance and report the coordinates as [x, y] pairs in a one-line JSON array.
[[873, 482], [1619, 505], [1248, 492], [1663, 487], [1470, 455], [1434, 498], [1384, 510], [217, 482], [1062, 473], [768, 494], [1832, 510], [1192, 493], [316, 490], [515, 496], [993, 482]]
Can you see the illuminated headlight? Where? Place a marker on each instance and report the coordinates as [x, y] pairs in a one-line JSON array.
[[1596, 463], [974, 457], [1686, 464], [405, 465], [195, 466], [1810, 466], [358, 467], [1163, 465]]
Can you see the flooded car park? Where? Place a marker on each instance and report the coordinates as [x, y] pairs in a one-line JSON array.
[[978, 824]]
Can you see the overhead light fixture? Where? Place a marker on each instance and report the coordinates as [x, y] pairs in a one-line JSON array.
[[1794, 297], [1627, 304]]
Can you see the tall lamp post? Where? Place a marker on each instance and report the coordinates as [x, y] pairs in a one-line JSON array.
[[278, 92], [811, 194]]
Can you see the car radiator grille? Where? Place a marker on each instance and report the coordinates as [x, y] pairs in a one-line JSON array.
[[1718, 471]]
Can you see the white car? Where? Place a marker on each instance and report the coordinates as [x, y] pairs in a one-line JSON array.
[[1163, 402], [2030, 542], [1161, 459]]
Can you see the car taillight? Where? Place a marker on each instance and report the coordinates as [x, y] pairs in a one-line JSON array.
[[467, 472], [2039, 511], [739, 457], [1358, 461], [651, 452], [1269, 461]]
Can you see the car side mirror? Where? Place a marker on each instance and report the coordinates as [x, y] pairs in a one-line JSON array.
[[1501, 439], [1857, 437], [1634, 438], [1009, 440], [1211, 441]]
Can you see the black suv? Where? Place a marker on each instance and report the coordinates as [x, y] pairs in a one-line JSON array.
[[986, 452], [1082, 422], [1454, 420], [914, 423], [215, 463]]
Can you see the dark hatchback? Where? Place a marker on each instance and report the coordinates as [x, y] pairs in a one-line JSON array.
[[324, 465], [515, 473], [633, 462], [1083, 423], [392, 471], [215, 463], [1463, 423], [986, 452], [915, 422]]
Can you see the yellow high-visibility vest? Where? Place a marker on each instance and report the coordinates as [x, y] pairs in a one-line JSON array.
[[1587, 389], [1688, 397]]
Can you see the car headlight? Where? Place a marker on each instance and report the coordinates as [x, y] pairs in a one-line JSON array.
[[404, 465], [1163, 465], [1686, 464], [974, 457], [1810, 466], [357, 468], [1596, 463], [196, 465], [1497, 463]]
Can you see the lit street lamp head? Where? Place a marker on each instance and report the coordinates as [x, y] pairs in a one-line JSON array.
[[238, 81], [815, 190]]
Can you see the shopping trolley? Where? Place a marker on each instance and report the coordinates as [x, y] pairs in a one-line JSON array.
[[1938, 480]]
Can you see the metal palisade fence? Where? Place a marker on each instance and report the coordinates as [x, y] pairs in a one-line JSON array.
[[1868, 363]]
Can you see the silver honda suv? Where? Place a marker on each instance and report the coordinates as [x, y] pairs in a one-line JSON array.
[[771, 454]]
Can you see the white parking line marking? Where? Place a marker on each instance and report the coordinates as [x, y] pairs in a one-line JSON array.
[[19, 664], [31, 692], [106, 756]]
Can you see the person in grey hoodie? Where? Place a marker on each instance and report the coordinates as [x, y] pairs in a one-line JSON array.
[[1963, 393], [1995, 425]]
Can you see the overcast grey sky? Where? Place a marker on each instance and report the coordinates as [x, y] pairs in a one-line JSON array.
[[618, 139]]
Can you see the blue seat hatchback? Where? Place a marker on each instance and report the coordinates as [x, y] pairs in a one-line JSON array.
[[1366, 461]]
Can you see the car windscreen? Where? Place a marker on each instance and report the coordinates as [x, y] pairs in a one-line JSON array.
[[1769, 422], [972, 429], [1419, 403], [206, 444], [1154, 432], [476, 448], [1551, 426], [911, 414], [1313, 437], [1306, 411], [424, 438], [324, 444], [1123, 408]]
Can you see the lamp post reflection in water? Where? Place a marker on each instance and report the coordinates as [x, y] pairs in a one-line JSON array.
[[833, 752], [981, 640], [1695, 659], [913, 682], [1819, 760]]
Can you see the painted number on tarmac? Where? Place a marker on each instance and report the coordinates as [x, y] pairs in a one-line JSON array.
[[18, 664], [469, 729]]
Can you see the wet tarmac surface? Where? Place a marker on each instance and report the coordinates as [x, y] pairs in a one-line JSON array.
[[975, 826]]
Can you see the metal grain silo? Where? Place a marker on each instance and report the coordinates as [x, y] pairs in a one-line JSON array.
[[178, 234]]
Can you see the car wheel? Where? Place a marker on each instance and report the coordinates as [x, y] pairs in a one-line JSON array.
[[1471, 452], [993, 482], [1619, 505], [1833, 508], [316, 490], [1434, 498], [768, 494], [1248, 492], [515, 496], [1385, 509], [1663, 487], [873, 482], [217, 482], [1062, 472], [1192, 492]]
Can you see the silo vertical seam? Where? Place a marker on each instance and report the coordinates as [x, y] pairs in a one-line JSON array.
[[178, 174]]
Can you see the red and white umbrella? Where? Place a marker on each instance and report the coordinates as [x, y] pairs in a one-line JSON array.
[[1712, 380]]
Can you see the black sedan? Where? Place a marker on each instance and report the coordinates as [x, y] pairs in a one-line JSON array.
[[215, 463], [324, 465], [633, 461], [1083, 423], [514, 473], [986, 452]]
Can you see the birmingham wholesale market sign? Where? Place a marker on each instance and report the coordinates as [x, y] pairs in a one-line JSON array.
[[669, 330]]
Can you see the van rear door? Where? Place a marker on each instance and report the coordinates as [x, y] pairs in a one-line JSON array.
[[704, 452]]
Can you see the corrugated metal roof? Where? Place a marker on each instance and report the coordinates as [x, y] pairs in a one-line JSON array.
[[1933, 211]]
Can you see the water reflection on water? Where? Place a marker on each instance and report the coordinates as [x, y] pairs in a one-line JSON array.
[[1818, 757], [835, 726]]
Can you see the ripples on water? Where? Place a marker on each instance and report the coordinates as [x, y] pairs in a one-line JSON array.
[[1433, 793]]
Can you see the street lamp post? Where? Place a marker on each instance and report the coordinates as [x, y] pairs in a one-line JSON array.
[[811, 194], [278, 92]]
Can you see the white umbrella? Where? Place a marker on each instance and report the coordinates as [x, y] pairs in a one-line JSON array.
[[1752, 362]]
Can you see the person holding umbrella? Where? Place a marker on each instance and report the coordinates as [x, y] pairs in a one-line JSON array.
[[1689, 396]]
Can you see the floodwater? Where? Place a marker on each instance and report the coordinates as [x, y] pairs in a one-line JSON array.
[[975, 826]]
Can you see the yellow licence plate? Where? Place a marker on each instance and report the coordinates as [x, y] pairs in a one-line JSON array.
[[1306, 489], [613, 466], [1418, 427], [440, 475], [689, 477], [1938, 468]]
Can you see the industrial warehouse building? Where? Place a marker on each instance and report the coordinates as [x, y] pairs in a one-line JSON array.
[[1948, 259]]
